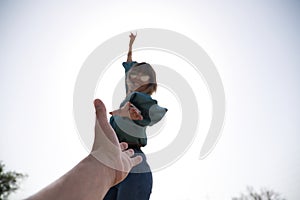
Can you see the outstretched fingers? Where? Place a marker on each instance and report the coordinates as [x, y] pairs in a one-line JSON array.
[[100, 109], [136, 160], [102, 127], [134, 112], [129, 152], [133, 160], [106, 140], [123, 146]]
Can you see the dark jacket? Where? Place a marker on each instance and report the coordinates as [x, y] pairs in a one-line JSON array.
[[134, 131]]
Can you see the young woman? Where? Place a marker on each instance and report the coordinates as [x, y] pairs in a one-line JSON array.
[[137, 111]]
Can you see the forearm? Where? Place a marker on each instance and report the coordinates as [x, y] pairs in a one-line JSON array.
[[129, 54], [89, 179], [131, 41]]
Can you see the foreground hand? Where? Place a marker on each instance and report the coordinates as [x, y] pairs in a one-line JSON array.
[[106, 147]]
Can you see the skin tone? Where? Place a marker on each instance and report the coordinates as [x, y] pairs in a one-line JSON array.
[[136, 80], [128, 110], [108, 164], [131, 41]]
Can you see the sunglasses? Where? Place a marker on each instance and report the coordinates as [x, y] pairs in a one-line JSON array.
[[143, 78]]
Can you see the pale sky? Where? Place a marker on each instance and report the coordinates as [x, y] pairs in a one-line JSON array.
[[254, 46]]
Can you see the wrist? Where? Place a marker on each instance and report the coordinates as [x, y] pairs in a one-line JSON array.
[[105, 175]]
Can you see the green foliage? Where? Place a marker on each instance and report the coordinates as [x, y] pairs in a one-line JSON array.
[[264, 194], [9, 181]]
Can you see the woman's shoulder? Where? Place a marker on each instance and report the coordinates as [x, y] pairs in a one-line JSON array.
[[128, 65]]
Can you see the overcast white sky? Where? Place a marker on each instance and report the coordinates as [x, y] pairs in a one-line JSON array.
[[254, 45]]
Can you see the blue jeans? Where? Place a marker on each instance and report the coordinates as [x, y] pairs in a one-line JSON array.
[[136, 186]]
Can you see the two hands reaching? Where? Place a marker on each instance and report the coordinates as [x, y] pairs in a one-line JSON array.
[[108, 164]]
